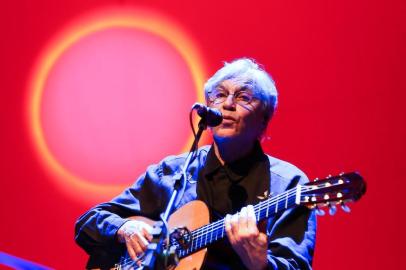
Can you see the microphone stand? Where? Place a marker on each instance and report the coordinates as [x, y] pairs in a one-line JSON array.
[[156, 258]]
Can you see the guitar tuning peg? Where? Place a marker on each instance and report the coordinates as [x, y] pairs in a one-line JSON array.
[[332, 209], [319, 212], [345, 208]]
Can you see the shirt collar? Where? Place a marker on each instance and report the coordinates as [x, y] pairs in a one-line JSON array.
[[235, 169]]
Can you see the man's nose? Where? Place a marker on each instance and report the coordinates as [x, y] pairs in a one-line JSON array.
[[229, 102]]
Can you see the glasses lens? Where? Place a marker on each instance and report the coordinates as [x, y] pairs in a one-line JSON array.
[[218, 97], [243, 97], [240, 97]]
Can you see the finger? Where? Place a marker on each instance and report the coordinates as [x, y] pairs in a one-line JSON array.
[[139, 262], [251, 221], [262, 239], [148, 228], [227, 226], [130, 250], [146, 232], [259, 242], [234, 226], [142, 242], [243, 221], [134, 242]]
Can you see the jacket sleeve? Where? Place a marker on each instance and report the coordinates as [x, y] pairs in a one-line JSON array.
[[292, 238], [95, 231]]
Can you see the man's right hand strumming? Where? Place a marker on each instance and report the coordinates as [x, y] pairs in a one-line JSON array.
[[136, 235]]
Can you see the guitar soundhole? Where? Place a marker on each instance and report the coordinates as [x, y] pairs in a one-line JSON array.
[[182, 237]]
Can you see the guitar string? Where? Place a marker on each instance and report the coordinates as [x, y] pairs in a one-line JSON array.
[[128, 262], [284, 197], [268, 201], [219, 224], [264, 205], [259, 207], [210, 228], [215, 233]]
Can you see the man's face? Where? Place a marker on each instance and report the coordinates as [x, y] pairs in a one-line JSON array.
[[243, 122]]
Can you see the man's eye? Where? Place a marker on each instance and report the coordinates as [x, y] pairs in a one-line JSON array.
[[243, 97], [220, 95]]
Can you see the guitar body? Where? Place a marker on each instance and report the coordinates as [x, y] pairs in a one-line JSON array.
[[192, 215]]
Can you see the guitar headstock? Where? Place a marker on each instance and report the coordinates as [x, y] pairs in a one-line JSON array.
[[333, 191]]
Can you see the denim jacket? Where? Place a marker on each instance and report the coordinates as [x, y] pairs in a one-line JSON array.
[[291, 234]]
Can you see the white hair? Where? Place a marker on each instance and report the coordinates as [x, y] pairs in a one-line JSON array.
[[246, 72]]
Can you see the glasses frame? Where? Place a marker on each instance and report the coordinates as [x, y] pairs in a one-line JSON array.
[[240, 102]]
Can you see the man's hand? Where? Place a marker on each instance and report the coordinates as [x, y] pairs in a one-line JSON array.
[[136, 235], [245, 238]]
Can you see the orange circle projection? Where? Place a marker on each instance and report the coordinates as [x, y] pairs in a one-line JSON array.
[[50, 112]]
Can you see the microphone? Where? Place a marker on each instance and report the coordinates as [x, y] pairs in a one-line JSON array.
[[212, 116]]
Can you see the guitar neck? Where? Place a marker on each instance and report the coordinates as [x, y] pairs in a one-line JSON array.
[[210, 233]]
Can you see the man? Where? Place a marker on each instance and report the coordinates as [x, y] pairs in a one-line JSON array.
[[230, 176]]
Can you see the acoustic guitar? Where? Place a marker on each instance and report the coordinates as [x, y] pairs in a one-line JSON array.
[[191, 232]]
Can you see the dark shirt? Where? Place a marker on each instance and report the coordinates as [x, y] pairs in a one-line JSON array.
[[225, 190]]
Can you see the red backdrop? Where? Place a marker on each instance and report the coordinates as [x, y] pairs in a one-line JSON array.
[[338, 66]]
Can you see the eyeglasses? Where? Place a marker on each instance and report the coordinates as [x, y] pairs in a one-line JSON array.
[[242, 97]]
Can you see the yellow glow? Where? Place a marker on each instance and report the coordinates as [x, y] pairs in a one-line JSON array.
[[132, 18]]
